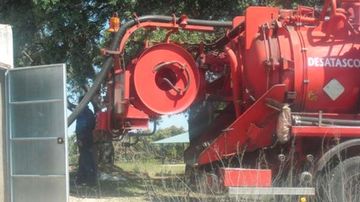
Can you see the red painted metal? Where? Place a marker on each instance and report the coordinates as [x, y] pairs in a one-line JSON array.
[[239, 177], [303, 58], [289, 56], [123, 109], [166, 79], [235, 76], [352, 7], [102, 121], [257, 16], [238, 134], [135, 118], [326, 131]]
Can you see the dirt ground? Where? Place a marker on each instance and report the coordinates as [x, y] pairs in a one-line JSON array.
[[143, 182], [141, 186], [132, 185]]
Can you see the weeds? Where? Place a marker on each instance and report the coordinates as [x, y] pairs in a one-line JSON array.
[[151, 180]]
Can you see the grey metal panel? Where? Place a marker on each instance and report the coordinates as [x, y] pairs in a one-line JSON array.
[[37, 119], [36, 83], [37, 114], [39, 189], [38, 157]]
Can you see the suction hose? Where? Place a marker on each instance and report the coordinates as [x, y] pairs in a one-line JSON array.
[[107, 65]]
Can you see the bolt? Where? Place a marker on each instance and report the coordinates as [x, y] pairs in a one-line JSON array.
[[281, 157], [305, 177], [310, 158], [303, 199]]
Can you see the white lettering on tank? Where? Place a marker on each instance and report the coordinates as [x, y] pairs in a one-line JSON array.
[[338, 63], [333, 62], [327, 62], [310, 61], [357, 63]]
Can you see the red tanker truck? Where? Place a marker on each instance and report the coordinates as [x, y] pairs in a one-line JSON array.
[[277, 96]]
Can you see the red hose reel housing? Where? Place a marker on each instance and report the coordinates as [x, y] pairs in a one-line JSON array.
[[166, 79]]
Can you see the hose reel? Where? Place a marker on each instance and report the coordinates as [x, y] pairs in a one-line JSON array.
[[166, 79]]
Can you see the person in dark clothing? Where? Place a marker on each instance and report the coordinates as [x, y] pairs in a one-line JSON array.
[[85, 124]]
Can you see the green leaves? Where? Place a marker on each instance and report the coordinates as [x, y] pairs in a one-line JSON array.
[[53, 31], [72, 31], [45, 4]]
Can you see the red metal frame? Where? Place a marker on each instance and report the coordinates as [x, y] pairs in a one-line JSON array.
[[236, 136]]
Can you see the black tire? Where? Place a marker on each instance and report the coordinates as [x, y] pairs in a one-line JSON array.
[[342, 184]]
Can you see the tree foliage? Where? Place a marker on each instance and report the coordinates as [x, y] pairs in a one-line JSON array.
[[145, 149], [72, 31]]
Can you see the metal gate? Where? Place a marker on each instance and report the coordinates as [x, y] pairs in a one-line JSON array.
[[37, 145]]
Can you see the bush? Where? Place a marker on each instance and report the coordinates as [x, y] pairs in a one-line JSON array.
[[73, 152], [146, 150]]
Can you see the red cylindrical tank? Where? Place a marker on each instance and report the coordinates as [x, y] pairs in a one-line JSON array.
[[321, 68]]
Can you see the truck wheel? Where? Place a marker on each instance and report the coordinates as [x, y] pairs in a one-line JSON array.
[[345, 183]]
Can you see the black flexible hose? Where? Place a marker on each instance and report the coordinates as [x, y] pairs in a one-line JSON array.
[[221, 42], [114, 45]]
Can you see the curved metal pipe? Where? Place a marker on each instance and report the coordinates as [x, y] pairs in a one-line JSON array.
[[107, 65], [234, 67]]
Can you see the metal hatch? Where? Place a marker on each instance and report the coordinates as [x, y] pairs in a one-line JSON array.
[[37, 140]]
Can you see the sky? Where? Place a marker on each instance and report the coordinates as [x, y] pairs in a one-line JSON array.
[[178, 120]]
